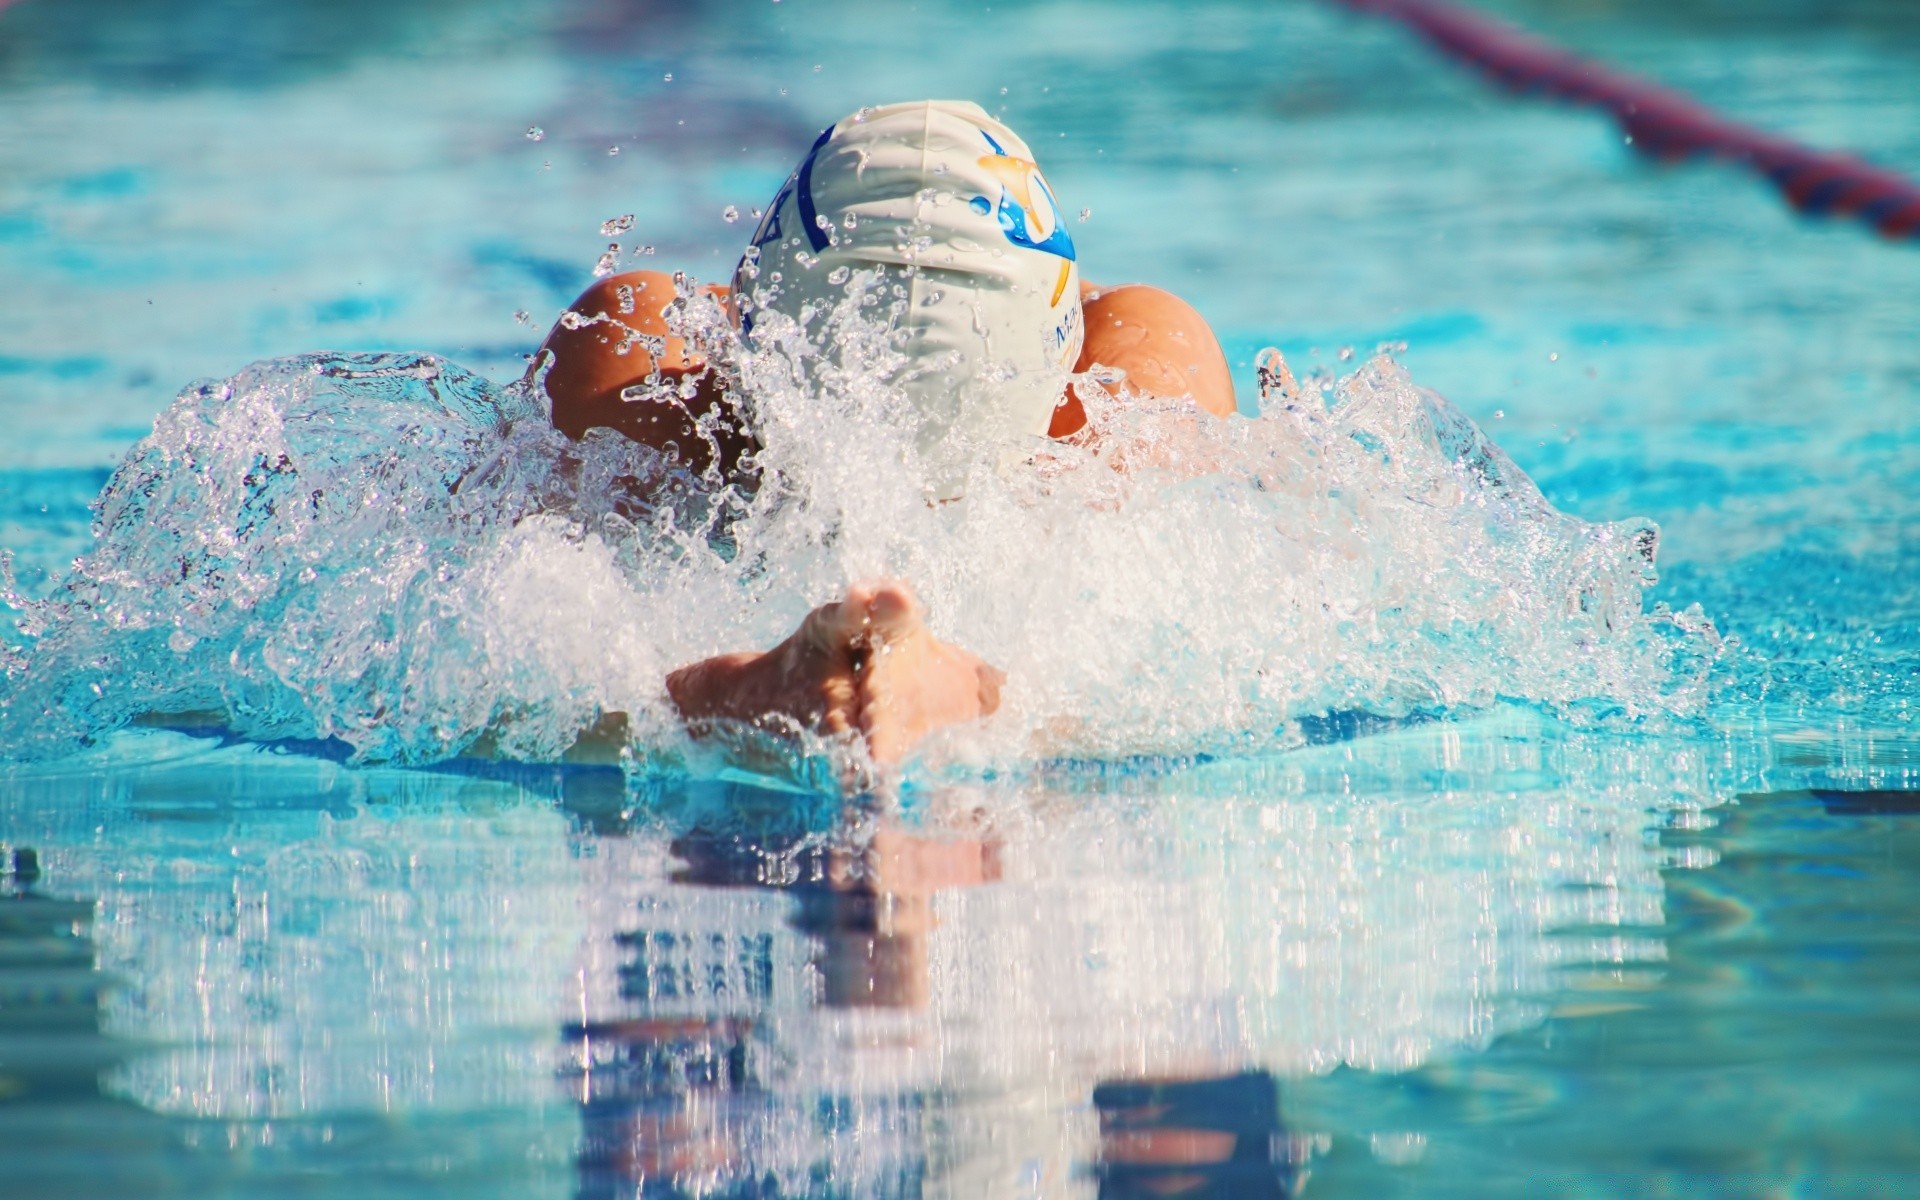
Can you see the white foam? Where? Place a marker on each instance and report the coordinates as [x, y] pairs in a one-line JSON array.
[[390, 551]]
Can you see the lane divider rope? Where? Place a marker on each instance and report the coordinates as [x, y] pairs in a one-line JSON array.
[[1660, 122]]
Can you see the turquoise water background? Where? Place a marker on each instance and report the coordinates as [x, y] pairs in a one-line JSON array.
[[1501, 954]]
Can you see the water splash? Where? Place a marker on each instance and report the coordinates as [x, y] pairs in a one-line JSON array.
[[389, 551]]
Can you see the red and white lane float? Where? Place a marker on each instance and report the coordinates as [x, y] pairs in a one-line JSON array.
[[1660, 122]]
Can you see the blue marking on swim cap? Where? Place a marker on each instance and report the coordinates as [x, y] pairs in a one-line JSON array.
[[816, 236], [981, 205], [1013, 220], [1013, 223], [769, 230]]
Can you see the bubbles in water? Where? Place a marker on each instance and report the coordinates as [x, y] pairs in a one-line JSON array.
[[1003, 91], [535, 133], [523, 317], [612, 150], [838, 275], [609, 261], [1085, 213], [730, 214], [644, 251], [668, 77], [614, 226]]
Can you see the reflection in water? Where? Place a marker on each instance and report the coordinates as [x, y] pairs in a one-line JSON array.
[[692, 1104], [698, 1103], [51, 1047], [1083, 985], [962, 995], [1218, 1137], [298, 939]]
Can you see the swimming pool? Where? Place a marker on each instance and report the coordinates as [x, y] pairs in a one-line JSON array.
[[1533, 947]]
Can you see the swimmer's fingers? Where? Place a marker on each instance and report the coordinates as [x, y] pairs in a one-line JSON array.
[[892, 611], [992, 678], [830, 630], [839, 702]]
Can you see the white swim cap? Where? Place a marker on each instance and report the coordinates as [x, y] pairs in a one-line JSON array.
[[947, 203]]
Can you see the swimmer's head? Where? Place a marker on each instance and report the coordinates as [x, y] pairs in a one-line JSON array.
[[946, 203]]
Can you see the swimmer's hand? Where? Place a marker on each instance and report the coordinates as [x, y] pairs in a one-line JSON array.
[[864, 666]]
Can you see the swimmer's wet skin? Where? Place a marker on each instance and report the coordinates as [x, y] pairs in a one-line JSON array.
[[1013, 301]]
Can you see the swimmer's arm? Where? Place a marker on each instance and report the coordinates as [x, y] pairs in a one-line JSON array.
[[615, 336], [1164, 346]]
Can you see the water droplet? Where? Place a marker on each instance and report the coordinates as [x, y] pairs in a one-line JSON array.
[[523, 316], [1346, 354], [783, 91], [609, 258], [1003, 91], [613, 226], [981, 205], [1553, 356], [1499, 414], [729, 214], [934, 297], [669, 77], [644, 250], [535, 133], [755, 213], [612, 150], [1085, 213], [850, 221], [547, 165], [816, 68], [822, 223], [838, 275]]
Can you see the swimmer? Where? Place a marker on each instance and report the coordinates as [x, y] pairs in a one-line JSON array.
[[866, 665]]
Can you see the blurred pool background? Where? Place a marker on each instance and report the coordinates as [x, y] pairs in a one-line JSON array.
[[1498, 956]]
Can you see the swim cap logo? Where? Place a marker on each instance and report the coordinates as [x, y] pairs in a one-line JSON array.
[[1026, 209]]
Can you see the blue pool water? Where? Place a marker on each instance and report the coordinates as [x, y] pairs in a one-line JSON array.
[[1378, 831]]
